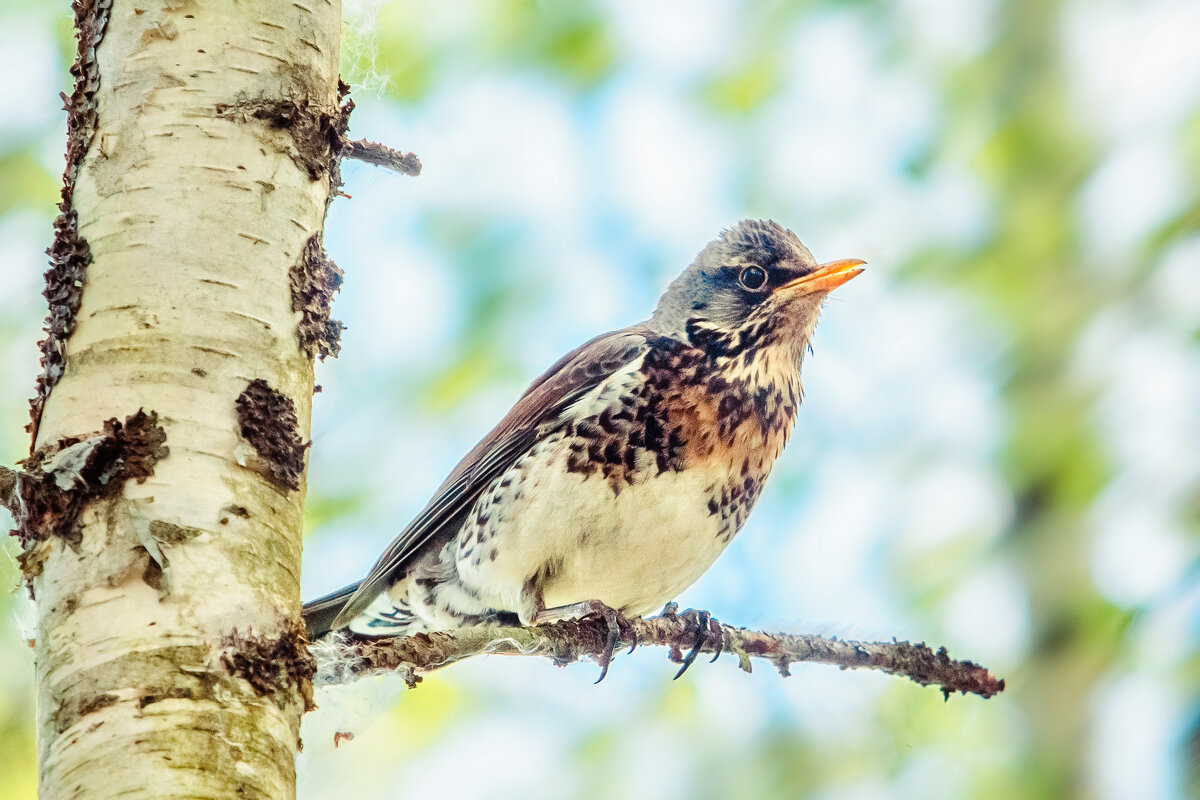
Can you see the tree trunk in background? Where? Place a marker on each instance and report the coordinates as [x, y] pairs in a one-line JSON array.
[[203, 140]]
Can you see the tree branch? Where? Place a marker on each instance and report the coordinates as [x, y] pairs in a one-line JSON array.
[[382, 156], [344, 658]]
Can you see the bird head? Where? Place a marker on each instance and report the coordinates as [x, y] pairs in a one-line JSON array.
[[754, 286]]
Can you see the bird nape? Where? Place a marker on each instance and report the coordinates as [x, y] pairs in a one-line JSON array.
[[625, 469]]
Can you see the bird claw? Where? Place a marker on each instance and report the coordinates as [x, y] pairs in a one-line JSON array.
[[706, 626], [618, 625], [714, 628]]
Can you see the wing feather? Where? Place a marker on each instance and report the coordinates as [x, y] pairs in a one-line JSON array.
[[557, 389]]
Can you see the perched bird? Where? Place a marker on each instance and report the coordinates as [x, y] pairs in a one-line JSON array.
[[623, 471]]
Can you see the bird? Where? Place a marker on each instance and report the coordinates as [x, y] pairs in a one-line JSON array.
[[624, 470]]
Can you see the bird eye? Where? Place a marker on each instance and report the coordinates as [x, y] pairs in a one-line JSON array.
[[753, 278]]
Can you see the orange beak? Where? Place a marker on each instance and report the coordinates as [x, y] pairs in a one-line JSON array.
[[826, 277]]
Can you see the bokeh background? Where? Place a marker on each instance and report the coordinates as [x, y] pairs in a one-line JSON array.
[[1000, 445]]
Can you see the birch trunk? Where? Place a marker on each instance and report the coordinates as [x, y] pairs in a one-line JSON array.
[[168, 657]]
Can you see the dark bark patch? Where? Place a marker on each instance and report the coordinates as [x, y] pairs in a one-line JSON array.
[[314, 281], [272, 665], [152, 572], [67, 714], [70, 254], [159, 673], [59, 480], [317, 132], [169, 533], [170, 693], [233, 511], [267, 421]]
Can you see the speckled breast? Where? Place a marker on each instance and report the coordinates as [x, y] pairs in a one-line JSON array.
[[637, 489]]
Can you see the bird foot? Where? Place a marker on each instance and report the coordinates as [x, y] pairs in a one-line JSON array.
[[707, 629], [617, 623]]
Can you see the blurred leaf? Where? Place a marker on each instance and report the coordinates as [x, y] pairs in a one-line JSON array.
[[567, 39], [1053, 445], [26, 183], [746, 88], [320, 508], [402, 60], [464, 377], [581, 50], [1169, 231], [427, 710]]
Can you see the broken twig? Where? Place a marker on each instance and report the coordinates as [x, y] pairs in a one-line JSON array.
[[382, 156]]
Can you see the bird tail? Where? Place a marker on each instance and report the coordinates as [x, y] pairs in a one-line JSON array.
[[319, 615]]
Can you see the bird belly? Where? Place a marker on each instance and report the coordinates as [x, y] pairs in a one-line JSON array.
[[548, 536], [641, 548]]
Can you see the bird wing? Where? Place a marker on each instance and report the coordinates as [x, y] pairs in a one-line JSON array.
[[564, 383]]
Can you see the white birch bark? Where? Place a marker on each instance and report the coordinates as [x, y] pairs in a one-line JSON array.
[[195, 209]]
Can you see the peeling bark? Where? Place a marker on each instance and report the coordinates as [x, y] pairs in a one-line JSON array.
[[61, 480], [267, 422], [70, 254], [315, 279], [273, 665], [184, 212]]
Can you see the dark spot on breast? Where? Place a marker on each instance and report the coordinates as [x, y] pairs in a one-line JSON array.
[[589, 429], [729, 406], [653, 439]]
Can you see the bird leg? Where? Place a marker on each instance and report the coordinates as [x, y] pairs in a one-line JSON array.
[[616, 621], [706, 626]]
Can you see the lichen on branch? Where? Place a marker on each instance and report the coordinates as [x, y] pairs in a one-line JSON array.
[[344, 658], [382, 156]]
